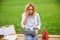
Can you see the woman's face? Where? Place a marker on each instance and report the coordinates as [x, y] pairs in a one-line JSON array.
[[30, 10]]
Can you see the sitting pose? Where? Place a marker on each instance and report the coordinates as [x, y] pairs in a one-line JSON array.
[[31, 21]]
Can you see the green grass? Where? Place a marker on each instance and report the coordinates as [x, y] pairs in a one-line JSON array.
[[49, 11]]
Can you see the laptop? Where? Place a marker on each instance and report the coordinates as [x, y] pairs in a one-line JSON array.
[[28, 32]]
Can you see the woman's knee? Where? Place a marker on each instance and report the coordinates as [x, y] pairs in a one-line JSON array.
[[35, 37], [28, 37]]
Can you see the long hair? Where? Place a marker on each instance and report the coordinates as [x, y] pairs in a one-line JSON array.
[[28, 5]]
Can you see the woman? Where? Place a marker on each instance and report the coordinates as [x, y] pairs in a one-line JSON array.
[[31, 21]]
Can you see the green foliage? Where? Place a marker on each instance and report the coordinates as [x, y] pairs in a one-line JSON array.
[[49, 11]]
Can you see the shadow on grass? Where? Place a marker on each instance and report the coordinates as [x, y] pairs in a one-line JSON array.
[[0, 1], [58, 1]]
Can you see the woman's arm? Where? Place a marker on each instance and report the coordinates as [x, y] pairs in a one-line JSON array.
[[24, 18], [39, 23]]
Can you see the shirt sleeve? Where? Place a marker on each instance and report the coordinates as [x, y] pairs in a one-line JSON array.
[[38, 22], [23, 16]]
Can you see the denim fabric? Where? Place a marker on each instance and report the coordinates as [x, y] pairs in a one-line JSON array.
[[30, 37]]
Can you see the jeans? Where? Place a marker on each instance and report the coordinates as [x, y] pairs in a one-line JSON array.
[[30, 37]]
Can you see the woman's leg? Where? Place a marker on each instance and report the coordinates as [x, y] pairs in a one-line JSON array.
[[28, 37], [35, 37]]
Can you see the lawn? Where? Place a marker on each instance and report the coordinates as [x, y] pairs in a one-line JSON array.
[[49, 11]]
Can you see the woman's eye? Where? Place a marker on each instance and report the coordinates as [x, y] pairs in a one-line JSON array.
[[30, 9]]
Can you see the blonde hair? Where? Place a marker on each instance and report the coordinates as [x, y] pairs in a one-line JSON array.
[[28, 5]]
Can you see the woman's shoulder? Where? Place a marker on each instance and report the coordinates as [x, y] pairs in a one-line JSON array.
[[37, 14], [23, 14]]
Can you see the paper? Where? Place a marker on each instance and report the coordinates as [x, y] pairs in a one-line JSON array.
[[7, 30], [1, 32], [10, 37]]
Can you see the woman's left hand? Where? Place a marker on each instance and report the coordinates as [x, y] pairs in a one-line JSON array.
[[36, 31]]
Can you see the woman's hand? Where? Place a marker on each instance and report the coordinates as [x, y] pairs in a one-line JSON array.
[[26, 16], [36, 31]]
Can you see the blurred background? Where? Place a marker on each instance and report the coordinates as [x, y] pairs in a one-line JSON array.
[[49, 11]]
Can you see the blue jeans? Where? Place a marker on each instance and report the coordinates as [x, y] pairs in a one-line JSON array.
[[30, 37]]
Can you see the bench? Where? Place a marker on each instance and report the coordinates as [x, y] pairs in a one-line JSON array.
[[51, 37]]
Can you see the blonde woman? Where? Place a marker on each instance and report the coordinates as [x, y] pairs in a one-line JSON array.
[[31, 21]]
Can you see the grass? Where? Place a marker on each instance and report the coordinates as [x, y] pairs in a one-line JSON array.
[[49, 11]]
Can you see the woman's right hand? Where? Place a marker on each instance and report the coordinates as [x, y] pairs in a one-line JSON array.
[[26, 16]]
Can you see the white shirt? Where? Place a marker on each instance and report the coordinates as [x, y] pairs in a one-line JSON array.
[[32, 21]]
